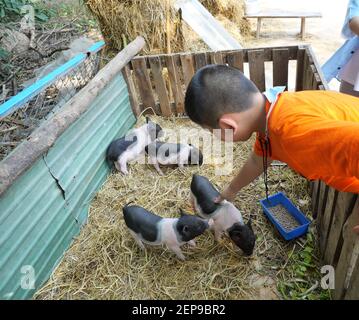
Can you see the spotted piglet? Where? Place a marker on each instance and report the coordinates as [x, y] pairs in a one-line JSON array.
[[226, 217], [180, 154], [128, 148], [146, 227]]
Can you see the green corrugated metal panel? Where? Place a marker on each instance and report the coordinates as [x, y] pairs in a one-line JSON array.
[[45, 208]]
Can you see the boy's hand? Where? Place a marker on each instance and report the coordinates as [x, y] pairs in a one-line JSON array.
[[228, 194]]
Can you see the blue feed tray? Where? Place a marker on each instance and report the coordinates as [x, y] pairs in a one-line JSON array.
[[280, 198]]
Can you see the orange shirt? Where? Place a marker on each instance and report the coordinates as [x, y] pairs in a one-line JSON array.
[[317, 134]]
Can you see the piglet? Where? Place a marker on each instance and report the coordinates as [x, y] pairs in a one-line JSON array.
[[152, 229], [163, 153], [226, 217], [128, 148]]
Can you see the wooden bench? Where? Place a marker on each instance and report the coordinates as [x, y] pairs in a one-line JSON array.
[[283, 14]]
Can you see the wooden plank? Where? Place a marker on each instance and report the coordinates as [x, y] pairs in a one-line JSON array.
[[280, 67], [349, 254], [315, 197], [143, 82], [308, 74], [324, 226], [235, 59], [340, 215], [293, 51], [317, 67], [284, 14], [352, 292], [311, 190], [316, 80], [216, 57], [322, 201], [305, 71], [200, 60], [187, 67], [135, 105], [160, 85], [313, 84], [300, 70], [256, 68], [176, 85]]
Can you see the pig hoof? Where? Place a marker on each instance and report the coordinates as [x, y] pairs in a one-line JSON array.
[[218, 238], [192, 243]]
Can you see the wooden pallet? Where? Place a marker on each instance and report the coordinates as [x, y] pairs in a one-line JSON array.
[[337, 213], [160, 81]]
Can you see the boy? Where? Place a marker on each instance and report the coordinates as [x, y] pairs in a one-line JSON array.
[[315, 132]]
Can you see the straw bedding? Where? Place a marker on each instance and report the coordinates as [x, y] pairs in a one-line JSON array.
[[104, 261]]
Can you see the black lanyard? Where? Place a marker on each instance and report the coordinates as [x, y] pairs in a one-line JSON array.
[[266, 150]]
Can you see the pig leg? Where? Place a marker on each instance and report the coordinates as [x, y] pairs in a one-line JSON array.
[[192, 243], [138, 240], [157, 166], [122, 162], [181, 167], [117, 166], [177, 250], [217, 233]]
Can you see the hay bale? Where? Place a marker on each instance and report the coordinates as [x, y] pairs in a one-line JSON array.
[[121, 21], [233, 10], [104, 261]]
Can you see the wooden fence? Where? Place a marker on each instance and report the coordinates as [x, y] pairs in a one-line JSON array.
[[337, 213], [160, 81]]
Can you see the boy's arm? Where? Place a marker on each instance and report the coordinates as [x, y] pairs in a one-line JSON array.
[[252, 168]]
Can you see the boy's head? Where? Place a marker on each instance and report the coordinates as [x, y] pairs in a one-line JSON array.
[[221, 97]]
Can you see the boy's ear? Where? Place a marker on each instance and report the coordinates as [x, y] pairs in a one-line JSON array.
[[227, 122]]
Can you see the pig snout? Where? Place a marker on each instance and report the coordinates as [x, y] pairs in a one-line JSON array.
[[190, 227], [243, 236]]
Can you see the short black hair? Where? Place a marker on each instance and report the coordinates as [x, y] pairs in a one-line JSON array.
[[215, 90]]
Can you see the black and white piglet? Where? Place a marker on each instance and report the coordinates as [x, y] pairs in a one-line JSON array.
[[226, 217], [180, 154], [128, 148], [154, 230]]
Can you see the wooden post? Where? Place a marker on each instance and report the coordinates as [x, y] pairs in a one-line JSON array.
[[302, 28], [256, 68], [259, 22]]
